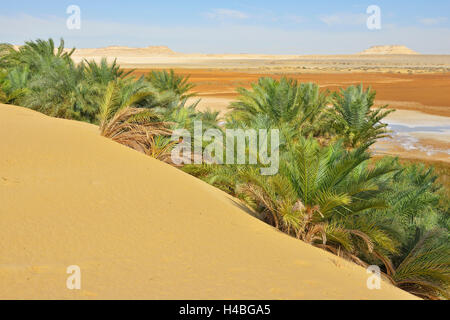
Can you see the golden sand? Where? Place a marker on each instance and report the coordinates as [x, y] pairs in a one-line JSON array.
[[140, 229]]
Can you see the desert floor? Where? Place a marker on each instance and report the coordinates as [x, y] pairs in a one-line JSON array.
[[139, 228]]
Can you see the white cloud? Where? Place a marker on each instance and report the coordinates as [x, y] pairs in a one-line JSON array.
[[344, 19], [221, 14], [432, 21]]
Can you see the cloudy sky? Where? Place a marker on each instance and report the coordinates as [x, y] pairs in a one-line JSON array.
[[244, 26]]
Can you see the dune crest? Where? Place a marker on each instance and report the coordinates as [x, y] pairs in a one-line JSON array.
[[140, 229]]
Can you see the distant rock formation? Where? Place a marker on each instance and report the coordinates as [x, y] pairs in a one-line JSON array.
[[160, 49], [149, 49], [393, 49], [120, 51]]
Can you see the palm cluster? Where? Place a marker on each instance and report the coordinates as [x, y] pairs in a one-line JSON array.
[[329, 191]]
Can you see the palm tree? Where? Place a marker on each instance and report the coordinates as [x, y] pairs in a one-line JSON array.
[[169, 81], [413, 219], [414, 200], [13, 85], [128, 125], [210, 118], [104, 72], [59, 90], [321, 196], [36, 54], [160, 148], [7, 51], [181, 114], [281, 103], [425, 269], [46, 79], [353, 118]]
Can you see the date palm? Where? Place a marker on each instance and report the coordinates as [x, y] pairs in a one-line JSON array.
[[55, 91], [169, 81], [13, 85], [134, 127], [355, 120], [36, 54], [425, 269], [104, 72], [282, 102], [7, 52], [321, 195]]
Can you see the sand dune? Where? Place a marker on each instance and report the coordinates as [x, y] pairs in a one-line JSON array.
[[139, 228]]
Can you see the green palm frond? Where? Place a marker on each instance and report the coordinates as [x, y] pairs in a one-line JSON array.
[[425, 271], [104, 72], [169, 81], [284, 103], [354, 118]]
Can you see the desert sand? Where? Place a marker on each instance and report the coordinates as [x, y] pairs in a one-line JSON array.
[[140, 229]]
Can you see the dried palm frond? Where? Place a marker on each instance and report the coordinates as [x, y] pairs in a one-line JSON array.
[[135, 128]]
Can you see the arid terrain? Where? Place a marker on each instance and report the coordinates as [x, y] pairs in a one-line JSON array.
[[141, 229]]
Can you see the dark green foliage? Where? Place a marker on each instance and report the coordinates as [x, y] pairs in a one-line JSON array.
[[354, 119], [284, 103], [169, 81]]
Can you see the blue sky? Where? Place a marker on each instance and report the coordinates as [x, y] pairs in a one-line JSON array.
[[280, 27]]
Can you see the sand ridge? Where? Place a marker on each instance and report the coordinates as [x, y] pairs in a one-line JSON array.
[[140, 229]]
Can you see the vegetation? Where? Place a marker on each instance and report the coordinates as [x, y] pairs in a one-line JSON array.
[[330, 191], [126, 124], [354, 118], [169, 81]]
